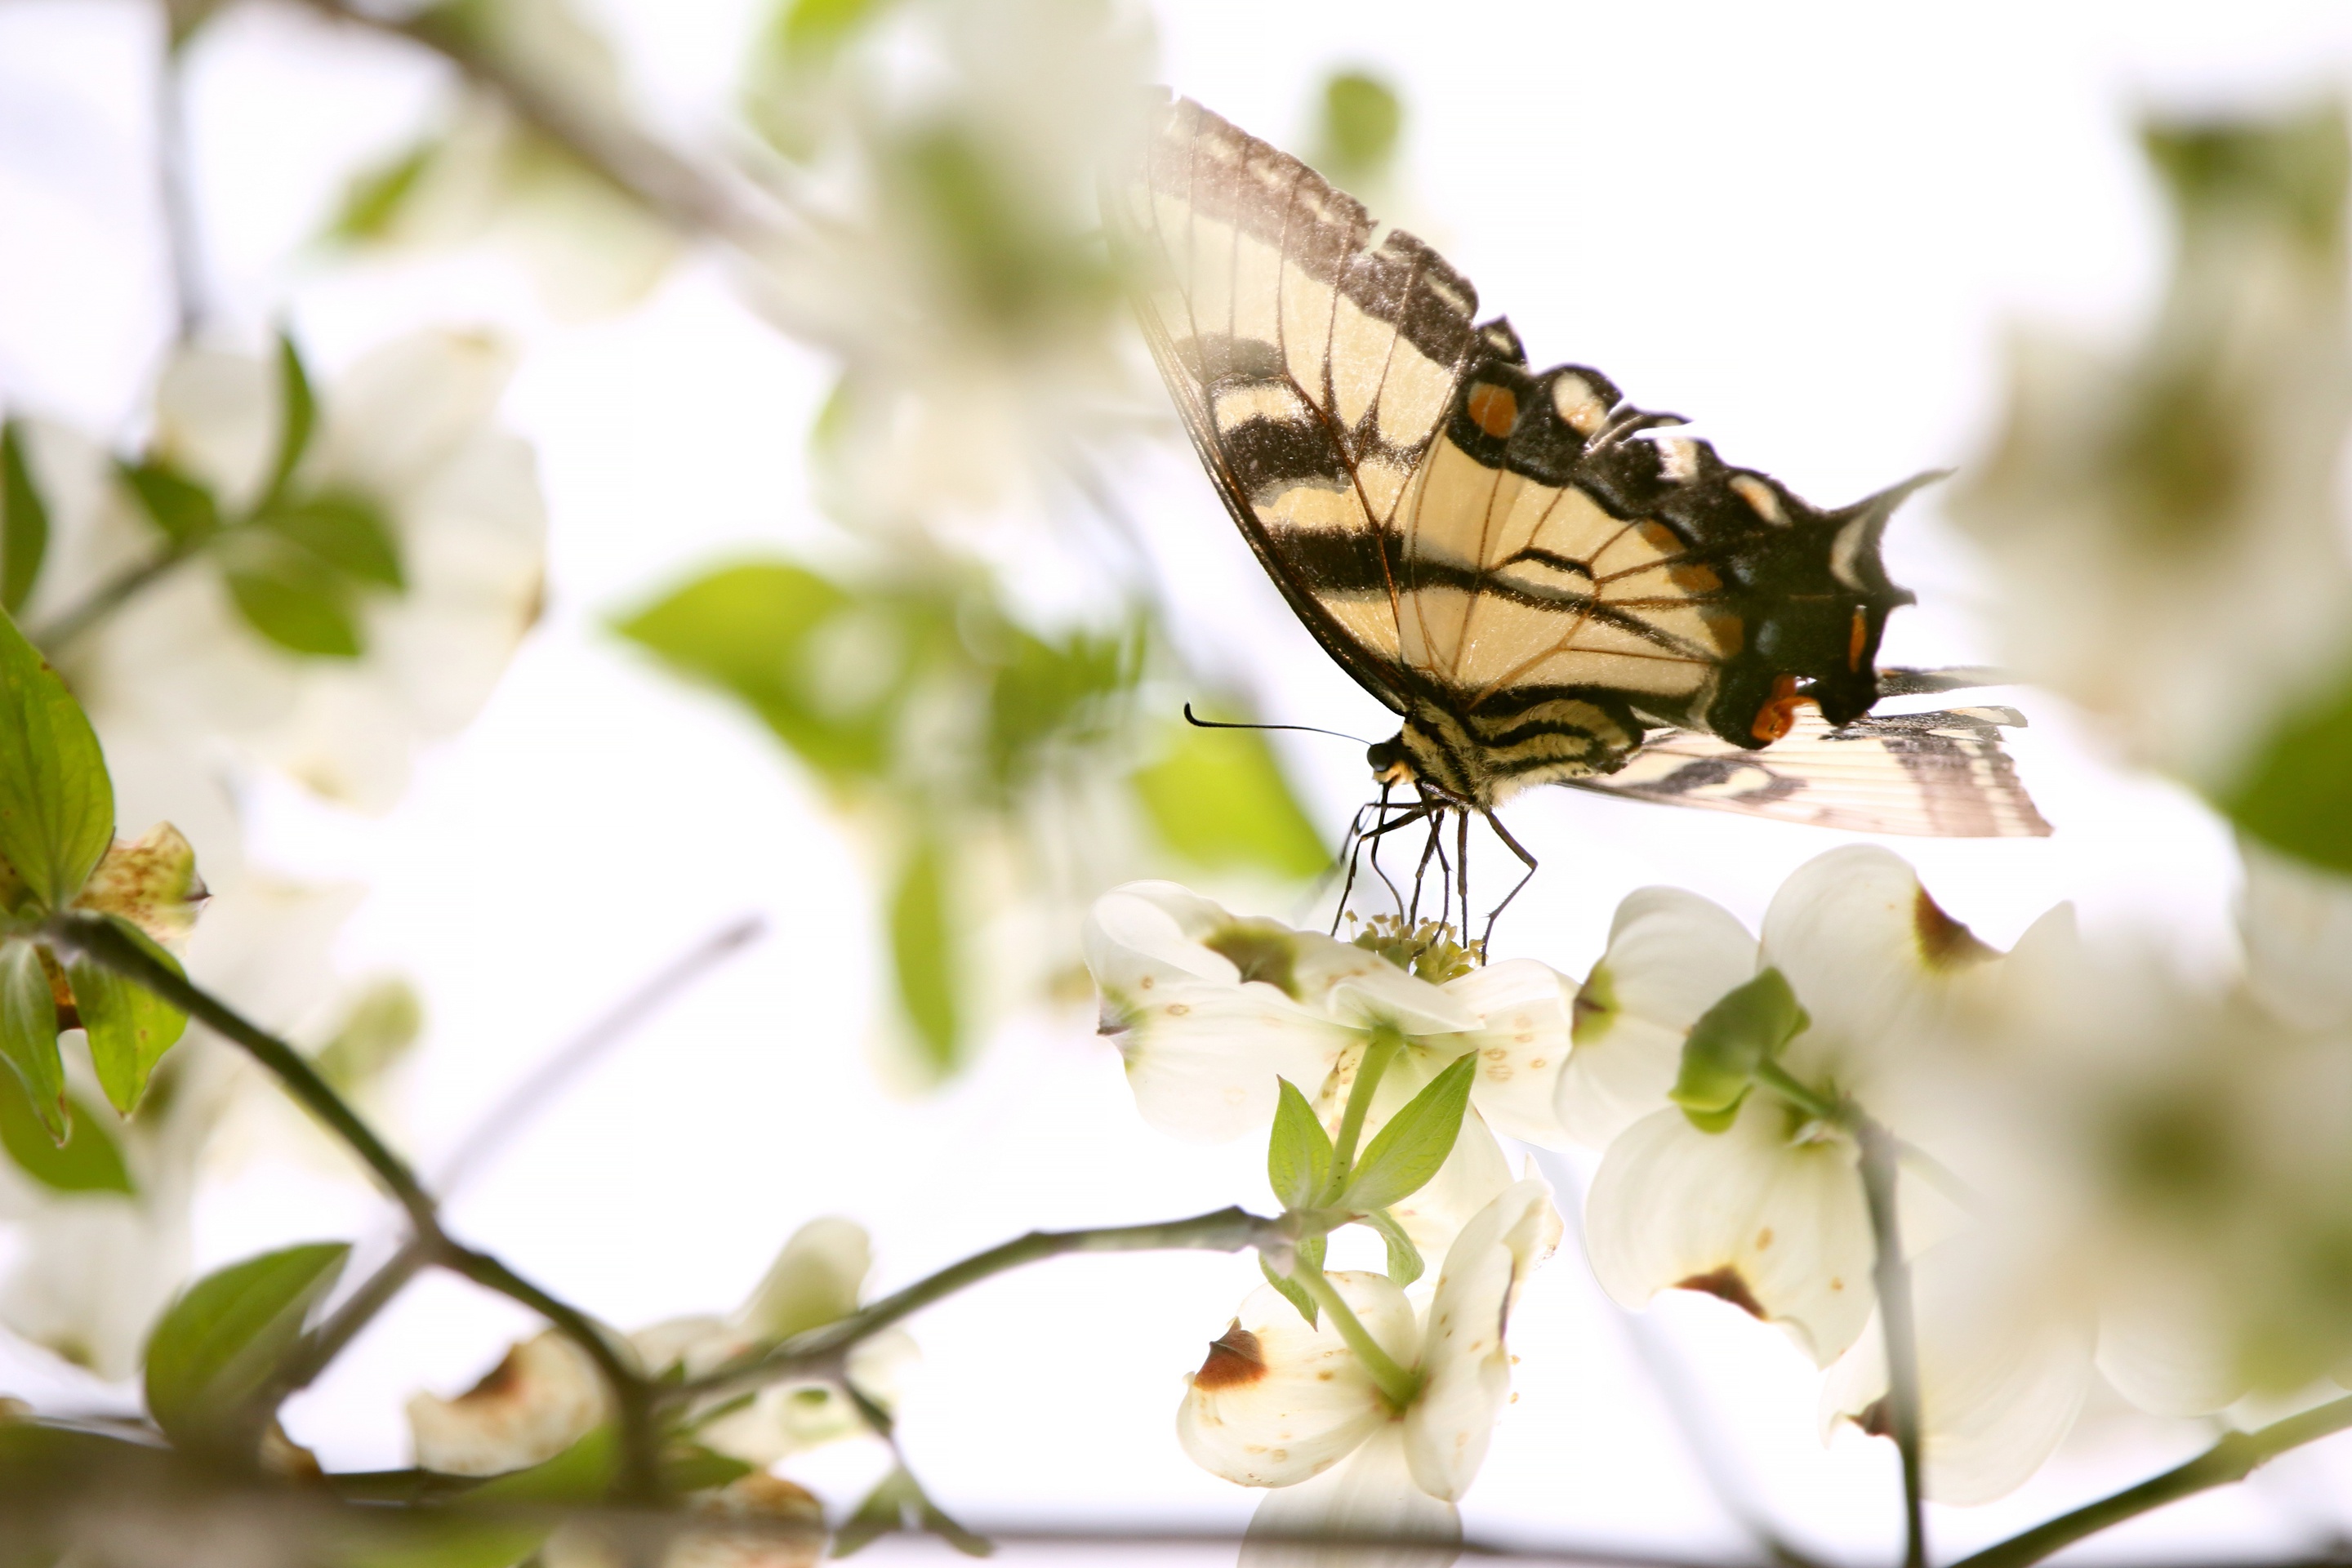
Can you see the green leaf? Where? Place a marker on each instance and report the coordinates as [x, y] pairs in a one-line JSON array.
[[923, 956], [1414, 1143], [1044, 694], [24, 521], [899, 1502], [346, 533], [1218, 798], [300, 606], [28, 1039], [56, 803], [2296, 794], [819, 27], [375, 199], [1745, 1028], [184, 510], [130, 1028], [86, 1161], [381, 1026], [749, 629], [1299, 1156], [216, 1350], [298, 412], [1362, 118], [1310, 1250], [1405, 1264]]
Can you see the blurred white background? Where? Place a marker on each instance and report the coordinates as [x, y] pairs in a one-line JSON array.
[[1805, 226]]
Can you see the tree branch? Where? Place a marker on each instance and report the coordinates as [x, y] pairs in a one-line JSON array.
[[1890, 1277], [2232, 1459], [1226, 1230]]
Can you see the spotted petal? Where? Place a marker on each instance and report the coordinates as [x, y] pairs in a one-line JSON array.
[[1371, 1495], [1277, 1401], [1202, 1058], [1670, 955], [1464, 1360], [1522, 1043]]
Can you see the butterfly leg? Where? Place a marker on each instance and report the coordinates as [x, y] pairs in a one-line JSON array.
[[1351, 847], [1409, 815], [1462, 866], [1519, 849], [1421, 871]]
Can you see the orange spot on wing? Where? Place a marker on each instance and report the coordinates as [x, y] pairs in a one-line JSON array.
[[1777, 715], [1856, 638], [1493, 409]]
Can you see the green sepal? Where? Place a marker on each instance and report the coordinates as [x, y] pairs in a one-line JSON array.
[[1745, 1028], [1298, 1155], [212, 1356], [298, 414], [28, 1039], [375, 197], [1310, 1250], [296, 601], [2295, 794], [1414, 1143], [899, 1502], [130, 1028], [24, 521], [347, 533], [183, 508], [1405, 1264], [56, 803]]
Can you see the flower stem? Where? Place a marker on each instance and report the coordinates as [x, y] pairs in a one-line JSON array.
[[1398, 1386], [1772, 1074], [1890, 1277], [2229, 1460], [1225, 1230], [1379, 1051]]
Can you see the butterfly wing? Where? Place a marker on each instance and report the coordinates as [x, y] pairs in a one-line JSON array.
[[1942, 774]]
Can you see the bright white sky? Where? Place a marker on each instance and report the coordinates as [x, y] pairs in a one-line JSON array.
[[1806, 226]]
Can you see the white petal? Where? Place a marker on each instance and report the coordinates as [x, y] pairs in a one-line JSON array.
[[1277, 1401], [2162, 1350], [2296, 922], [1202, 1058], [1522, 1043], [692, 1345], [1670, 956], [1140, 936], [217, 417], [401, 412], [1372, 1494], [2003, 1369], [814, 1280], [1872, 957], [1778, 1229], [539, 1401], [1463, 1359]]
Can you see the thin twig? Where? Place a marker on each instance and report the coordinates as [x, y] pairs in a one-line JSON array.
[[103, 600], [177, 201], [1891, 1278], [1226, 1230], [319, 1351], [544, 1083]]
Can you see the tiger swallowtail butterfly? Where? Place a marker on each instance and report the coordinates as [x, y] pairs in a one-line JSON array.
[[1546, 583]]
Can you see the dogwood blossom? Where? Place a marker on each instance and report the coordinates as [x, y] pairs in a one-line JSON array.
[[1210, 1010], [1768, 1213], [1279, 1401], [409, 434]]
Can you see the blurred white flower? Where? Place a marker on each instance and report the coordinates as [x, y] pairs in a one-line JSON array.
[[1210, 1010], [1768, 1214], [1278, 1403], [764, 1500], [2163, 523], [543, 1396], [408, 435]]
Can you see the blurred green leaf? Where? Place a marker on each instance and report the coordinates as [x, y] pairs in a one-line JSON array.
[[372, 201], [1362, 120], [130, 1028], [1044, 692], [2296, 794], [1218, 797], [183, 508], [1298, 1155], [378, 1030], [1745, 1028], [818, 27], [56, 802], [346, 533], [300, 604], [28, 1039], [1405, 1264], [1414, 1143], [298, 413], [2291, 171], [899, 1502], [24, 521], [221, 1343], [88, 1160], [747, 629], [1310, 1249], [923, 955]]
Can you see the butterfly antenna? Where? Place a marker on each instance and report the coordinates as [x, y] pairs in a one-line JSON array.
[[1199, 723]]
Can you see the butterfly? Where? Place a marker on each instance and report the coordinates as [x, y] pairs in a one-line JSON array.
[[1546, 583]]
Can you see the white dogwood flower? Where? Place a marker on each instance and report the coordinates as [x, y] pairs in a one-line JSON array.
[[1768, 1213], [1279, 1402], [1210, 1010]]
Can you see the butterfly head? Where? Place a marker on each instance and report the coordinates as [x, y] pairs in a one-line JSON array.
[[1391, 763]]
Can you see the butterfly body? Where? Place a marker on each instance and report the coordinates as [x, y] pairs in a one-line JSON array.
[[1539, 578]]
